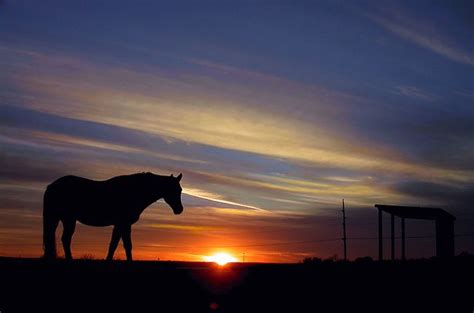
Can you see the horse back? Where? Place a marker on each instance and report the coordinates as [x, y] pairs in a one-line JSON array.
[[71, 183], [96, 203]]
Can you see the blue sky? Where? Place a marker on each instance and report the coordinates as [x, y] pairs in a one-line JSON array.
[[274, 111]]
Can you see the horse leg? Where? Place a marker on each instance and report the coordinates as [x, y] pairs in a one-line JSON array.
[[116, 234], [68, 230], [127, 241]]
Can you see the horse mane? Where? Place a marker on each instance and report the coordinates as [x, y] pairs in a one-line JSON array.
[[138, 175], [148, 174], [148, 179]]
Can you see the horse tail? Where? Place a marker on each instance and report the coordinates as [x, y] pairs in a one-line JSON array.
[[50, 223]]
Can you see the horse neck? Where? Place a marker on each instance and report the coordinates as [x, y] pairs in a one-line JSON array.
[[152, 195]]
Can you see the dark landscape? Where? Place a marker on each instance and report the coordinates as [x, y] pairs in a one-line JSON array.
[[33, 285]]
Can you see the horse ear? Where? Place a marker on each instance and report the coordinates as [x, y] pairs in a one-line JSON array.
[[171, 176], [179, 177]]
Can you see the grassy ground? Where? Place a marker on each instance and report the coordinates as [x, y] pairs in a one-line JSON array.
[[33, 285]]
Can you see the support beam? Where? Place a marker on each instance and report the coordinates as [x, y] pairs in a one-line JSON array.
[[403, 239], [380, 236], [444, 228], [444, 238], [392, 236]]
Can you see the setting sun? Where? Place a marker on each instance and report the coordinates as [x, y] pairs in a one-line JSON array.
[[220, 258]]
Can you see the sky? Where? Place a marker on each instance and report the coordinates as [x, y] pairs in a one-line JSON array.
[[274, 111]]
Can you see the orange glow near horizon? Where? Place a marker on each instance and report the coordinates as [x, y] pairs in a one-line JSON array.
[[221, 258]]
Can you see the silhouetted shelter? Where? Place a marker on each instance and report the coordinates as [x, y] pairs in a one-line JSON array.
[[444, 227]]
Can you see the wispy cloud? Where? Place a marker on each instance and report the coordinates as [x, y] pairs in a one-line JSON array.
[[414, 92], [216, 198], [194, 228], [177, 109], [417, 32]]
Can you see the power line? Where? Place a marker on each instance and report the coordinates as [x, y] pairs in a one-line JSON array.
[[267, 244], [310, 241]]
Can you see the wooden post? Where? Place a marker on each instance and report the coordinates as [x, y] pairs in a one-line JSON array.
[[344, 238], [380, 236], [403, 238], [392, 236], [444, 237]]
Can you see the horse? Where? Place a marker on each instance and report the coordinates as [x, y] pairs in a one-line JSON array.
[[118, 201]]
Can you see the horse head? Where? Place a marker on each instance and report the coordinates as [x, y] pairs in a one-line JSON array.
[[172, 194]]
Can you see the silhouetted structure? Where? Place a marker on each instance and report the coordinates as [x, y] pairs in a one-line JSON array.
[[118, 201], [444, 227], [344, 237]]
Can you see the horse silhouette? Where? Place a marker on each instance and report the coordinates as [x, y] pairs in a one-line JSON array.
[[118, 201]]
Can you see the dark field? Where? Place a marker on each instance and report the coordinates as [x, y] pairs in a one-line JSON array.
[[32, 285]]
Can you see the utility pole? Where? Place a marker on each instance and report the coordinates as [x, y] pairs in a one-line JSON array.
[[344, 238]]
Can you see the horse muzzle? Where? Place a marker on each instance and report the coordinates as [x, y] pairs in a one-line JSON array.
[[178, 210]]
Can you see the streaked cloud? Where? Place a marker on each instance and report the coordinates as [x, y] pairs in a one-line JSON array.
[[216, 198], [228, 123], [198, 228], [425, 34], [414, 92]]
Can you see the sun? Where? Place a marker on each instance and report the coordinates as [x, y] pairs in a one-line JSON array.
[[221, 258]]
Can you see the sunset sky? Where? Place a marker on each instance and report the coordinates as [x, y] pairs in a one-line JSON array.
[[274, 112]]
